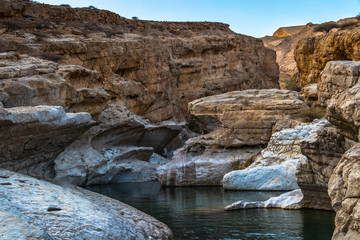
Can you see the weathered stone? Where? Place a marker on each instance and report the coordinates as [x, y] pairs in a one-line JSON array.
[[42, 210], [301, 157], [289, 200], [34, 136], [198, 165], [312, 54], [156, 68], [116, 150], [244, 118], [344, 192], [310, 94]]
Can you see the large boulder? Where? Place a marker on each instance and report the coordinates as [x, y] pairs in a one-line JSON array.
[[118, 149], [240, 125], [303, 157], [34, 209], [344, 186], [32, 137]]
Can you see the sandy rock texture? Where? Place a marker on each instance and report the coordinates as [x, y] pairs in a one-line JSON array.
[[36, 209], [312, 54], [344, 193], [156, 68], [32, 137], [239, 123]]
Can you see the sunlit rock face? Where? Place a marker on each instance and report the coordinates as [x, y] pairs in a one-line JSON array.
[[303, 157], [35, 209], [344, 193], [240, 125], [312, 54], [32, 137], [156, 68]]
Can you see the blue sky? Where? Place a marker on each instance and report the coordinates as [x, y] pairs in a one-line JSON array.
[[251, 17]]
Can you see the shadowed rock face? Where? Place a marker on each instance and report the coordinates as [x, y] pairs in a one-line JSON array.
[[155, 68], [118, 149], [34, 136], [42, 210]]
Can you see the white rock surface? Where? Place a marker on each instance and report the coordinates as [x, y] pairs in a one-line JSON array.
[[275, 167], [289, 200], [35, 209]]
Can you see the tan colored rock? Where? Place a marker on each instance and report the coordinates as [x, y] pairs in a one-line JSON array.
[[34, 136], [338, 92], [312, 54], [310, 94], [344, 192], [42, 210], [240, 123], [245, 118], [156, 68], [31, 81]]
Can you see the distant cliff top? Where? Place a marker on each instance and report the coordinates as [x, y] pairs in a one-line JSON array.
[[11, 9]]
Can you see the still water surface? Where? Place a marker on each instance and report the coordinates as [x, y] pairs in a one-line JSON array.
[[198, 213]]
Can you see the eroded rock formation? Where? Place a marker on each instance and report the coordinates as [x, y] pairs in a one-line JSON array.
[[344, 192], [312, 54], [41, 210], [240, 123], [32, 137], [118, 149], [155, 68], [302, 157]]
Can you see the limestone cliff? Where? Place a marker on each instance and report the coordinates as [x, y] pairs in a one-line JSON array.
[[155, 67], [312, 54]]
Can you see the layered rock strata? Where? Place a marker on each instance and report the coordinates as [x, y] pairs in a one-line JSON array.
[[118, 149], [155, 68], [303, 157], [32, 137], [344, 192], [34, 209], [312, 54], [240, 124]]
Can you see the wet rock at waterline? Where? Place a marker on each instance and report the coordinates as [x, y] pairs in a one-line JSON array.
[[42, 210], [199, 166], [34, 136], [118, 149], [289, 200], [303, 157]]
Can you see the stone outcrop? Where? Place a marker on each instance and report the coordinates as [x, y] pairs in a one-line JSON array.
[[155, 68], [312, 54], [34, 209], [284, 41], [239, 124], [344, 188], [32, 137], [31, 81], [303, 157], [118, 149], [289, 200]]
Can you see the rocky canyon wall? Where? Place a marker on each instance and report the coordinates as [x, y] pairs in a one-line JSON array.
[[156, 68]]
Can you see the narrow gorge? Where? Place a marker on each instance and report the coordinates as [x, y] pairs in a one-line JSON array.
[[91, 102]]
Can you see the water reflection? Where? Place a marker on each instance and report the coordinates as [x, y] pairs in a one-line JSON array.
[[197, 213]]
